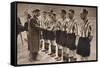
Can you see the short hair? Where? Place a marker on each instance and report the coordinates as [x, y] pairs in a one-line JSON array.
[[63, 11], [72, 11], [44, 12], [85, 11], [36, 10]]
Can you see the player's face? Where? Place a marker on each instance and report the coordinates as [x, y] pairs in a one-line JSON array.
[[44, 14], [70, 15], [37, 14], [62, 14], [83, 15]]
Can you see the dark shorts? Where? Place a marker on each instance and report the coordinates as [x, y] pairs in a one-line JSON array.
[[83, 47], [48, 35], [61, 37], [52, 35], [58, 33], [45, 34], [71, 41]]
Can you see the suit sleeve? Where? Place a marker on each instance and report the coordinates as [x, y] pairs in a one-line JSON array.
[[34, 25]]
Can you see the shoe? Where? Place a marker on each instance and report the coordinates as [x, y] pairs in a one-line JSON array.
[[52, 55], [74, 59], [58, 58], [31, 60], [43, 50]]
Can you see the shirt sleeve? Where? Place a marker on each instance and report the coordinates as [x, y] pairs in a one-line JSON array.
[[90, 29]]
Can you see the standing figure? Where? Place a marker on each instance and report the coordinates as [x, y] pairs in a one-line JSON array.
[[71, 35], [43, 22], [50, 33], [27, 18], [46, 34], [61, 33], [85, 36], [53, 35], [34, 35], [20, 29]]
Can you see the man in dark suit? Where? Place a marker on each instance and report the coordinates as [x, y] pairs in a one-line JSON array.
[[34, 35]]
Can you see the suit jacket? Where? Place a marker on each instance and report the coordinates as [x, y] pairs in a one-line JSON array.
[[33, 35]]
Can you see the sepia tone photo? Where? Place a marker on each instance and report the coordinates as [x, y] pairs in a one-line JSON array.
[[55, 33]]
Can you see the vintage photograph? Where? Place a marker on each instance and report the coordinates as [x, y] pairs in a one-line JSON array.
[[55, 33]]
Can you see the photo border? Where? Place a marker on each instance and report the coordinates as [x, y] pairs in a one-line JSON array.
[[55, 4]]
